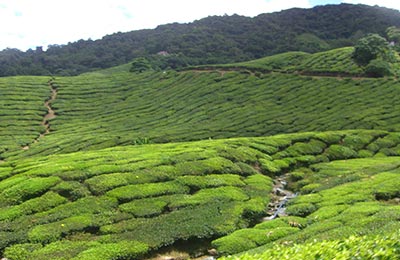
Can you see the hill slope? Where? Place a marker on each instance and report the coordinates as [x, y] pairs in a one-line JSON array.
[[86, 184], [137, 199], [116, 107], [211, 40]]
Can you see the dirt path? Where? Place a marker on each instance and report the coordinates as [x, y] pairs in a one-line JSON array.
[[50, 114]]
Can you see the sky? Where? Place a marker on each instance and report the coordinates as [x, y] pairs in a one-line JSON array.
[[26, 23]]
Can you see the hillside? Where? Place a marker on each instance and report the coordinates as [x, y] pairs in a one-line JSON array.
[[217, 39], [137, 199], [116, 107], [265, 158]]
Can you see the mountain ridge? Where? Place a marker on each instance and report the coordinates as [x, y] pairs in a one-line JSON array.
[[215, 39]]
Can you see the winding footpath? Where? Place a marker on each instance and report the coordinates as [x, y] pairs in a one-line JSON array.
[[50, 114]]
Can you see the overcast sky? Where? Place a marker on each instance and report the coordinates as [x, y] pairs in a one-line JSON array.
[[29, 23]]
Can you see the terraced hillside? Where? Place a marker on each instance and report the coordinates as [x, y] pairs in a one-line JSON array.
[[116, 107], [22, 110], [128, 201], [121, 165], [336, 63]]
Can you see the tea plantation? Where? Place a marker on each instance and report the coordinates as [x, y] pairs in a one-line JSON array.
[[137, 164], [116, 107]]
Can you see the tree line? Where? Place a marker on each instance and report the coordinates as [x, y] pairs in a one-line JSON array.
[[212, 40]]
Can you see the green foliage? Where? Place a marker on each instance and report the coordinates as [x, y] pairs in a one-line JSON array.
[[378, 68], [140, 65], [370, 48], [393, 34], [27, 189], [54, 231], [301, 209], [364, 247], [209, 40], [39, 204], [120, 250], [245, 239], [129, 192], [337, 152]]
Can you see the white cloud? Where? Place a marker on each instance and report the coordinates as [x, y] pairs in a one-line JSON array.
[[395, 4]]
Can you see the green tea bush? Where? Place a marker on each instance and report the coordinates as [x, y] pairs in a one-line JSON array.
[[206, 196], [87, 205], [258, 185], [207, 166], [310, 188], [357, 141], [296, 175], [138, 191], [301, 209], [120, 250], [327, 212], [388, 189], [72, 190], [329, 137], [54, 231], [43, 203], [338, 152], [211, 180], [150, 206], [313, 147], [245, 239], [27, 189], [364, 247], [245, 169], [21, 251], [273, 167]]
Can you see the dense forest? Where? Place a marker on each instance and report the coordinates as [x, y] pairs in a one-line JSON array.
[[216, 39]]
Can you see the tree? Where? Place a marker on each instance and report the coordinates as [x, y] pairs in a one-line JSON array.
[[140, 65], [378, 68], [393, 34], [372, 47]]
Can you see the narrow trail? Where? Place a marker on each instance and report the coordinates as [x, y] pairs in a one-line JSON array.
[[50, 114]]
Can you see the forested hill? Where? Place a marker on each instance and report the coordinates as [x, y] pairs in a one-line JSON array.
[[217, 39]]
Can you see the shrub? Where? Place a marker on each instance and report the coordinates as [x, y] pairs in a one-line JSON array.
[[313, 147], [72, 190], [273, 167], [301, 209], [54, 231], [21, 251], [245, 239], [258, 185], [211, 180], [45, 202], [138, 191], [327, 212], [27, 189], [310, 188], [119, 250], [388, 190], [378, 69], [206, 196], [296, 175], [338, 152], [384, 246], [149, 206]]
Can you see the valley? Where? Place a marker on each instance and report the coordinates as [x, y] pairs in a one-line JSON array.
[[290, 156]]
